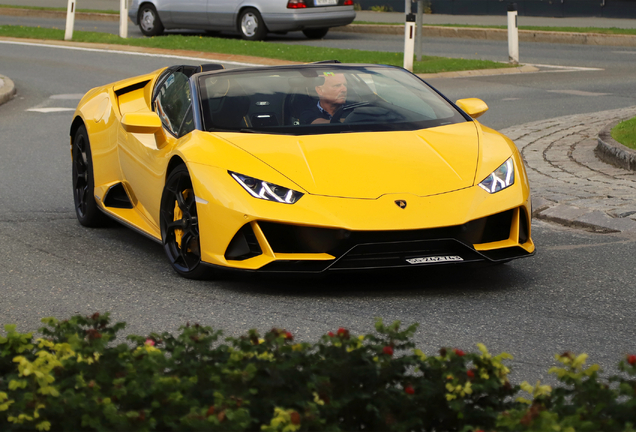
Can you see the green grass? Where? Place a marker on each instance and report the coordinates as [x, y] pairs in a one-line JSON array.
[[625, 133], [299, 53], [611, 30], [59, 9]]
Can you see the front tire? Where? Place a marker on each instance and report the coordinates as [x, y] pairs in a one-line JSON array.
[[149, 22], [180, 226], [251, 25], [316, 33], [86, 209]]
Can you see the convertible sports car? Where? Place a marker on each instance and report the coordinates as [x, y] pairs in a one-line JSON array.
[[246, 169]]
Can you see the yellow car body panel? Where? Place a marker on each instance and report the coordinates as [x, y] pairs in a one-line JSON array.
[[350, 181]]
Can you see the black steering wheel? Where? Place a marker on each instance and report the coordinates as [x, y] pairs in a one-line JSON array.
[[346, 108]]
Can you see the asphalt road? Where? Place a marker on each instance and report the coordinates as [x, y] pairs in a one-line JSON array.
[[576, 294]]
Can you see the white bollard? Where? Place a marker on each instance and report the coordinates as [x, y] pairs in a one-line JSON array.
[[70, 20], [123, 19], [513, 35], [409, 41]]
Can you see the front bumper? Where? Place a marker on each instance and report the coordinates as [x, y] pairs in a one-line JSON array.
[[290, 248]]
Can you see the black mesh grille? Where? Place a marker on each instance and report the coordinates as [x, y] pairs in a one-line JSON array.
[[285, 238]]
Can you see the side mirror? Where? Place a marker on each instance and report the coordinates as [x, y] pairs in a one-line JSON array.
[[141, 122], [472, 106]]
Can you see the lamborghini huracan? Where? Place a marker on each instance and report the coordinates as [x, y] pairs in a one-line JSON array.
[[256, 169]]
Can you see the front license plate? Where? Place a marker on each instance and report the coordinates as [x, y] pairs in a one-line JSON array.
[[434, 259], [325, 2]]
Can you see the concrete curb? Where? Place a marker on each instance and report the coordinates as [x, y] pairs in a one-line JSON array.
[[498, 34], [7, 89], [481, 72], [611, 151], [427, 31]]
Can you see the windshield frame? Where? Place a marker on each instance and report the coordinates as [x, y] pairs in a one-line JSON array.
[[459, 116]]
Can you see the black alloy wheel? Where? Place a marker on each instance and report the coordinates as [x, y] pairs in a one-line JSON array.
[[316, 33], [180, 226], [251, 25], [149, 22], [86, 209]]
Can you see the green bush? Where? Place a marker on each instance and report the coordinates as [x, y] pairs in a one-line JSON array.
[[76, 378]]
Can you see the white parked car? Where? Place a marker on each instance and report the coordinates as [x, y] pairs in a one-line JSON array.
[[253, 19]]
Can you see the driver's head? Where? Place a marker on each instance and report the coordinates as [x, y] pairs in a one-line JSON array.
[[334, 90]]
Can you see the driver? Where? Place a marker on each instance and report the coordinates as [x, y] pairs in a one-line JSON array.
[[332, 94]]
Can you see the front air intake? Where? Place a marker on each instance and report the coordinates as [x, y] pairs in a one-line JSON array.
[[244, 245]]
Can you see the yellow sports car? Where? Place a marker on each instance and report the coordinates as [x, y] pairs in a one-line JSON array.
[[304, 168]]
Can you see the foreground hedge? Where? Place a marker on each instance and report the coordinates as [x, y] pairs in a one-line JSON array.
[[76, 378]]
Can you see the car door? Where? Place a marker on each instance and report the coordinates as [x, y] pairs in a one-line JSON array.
[[222, 13], [143, 156], [188, 13]]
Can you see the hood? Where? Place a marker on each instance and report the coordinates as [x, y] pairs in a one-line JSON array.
[[371, 164]]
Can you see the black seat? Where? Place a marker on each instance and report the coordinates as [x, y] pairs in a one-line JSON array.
[[228, 112], [299, 98]]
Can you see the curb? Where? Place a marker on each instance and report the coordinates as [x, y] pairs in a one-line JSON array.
[[427, 31], [498, 34], [7, 89], [611, 151], [481, 72]]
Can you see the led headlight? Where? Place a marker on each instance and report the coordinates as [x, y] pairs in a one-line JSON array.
[[265, 190], [500, 179]]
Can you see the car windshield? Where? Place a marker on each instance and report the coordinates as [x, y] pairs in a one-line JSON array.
[[317, 99]]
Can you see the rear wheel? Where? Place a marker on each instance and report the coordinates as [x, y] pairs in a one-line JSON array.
[[180, 226], [316, 33], [88, 214], [149, 21], [251, 25]]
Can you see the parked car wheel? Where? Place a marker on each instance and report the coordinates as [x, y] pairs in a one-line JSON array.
[[149, 21], [251, 25], [316, 33]]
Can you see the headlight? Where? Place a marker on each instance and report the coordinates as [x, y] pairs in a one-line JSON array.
[[265, 190], [500, 179]]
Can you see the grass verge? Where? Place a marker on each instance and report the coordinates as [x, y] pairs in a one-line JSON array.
[[299, 53], [601, 30], [625, 133]]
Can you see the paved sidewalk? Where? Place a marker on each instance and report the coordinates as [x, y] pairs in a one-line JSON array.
[[569, 184]]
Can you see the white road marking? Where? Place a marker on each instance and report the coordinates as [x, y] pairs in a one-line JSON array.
[[510, 99], [623, 52], [578, 93], [50, 110], [198, 59], [70, 96], [564, 68]]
